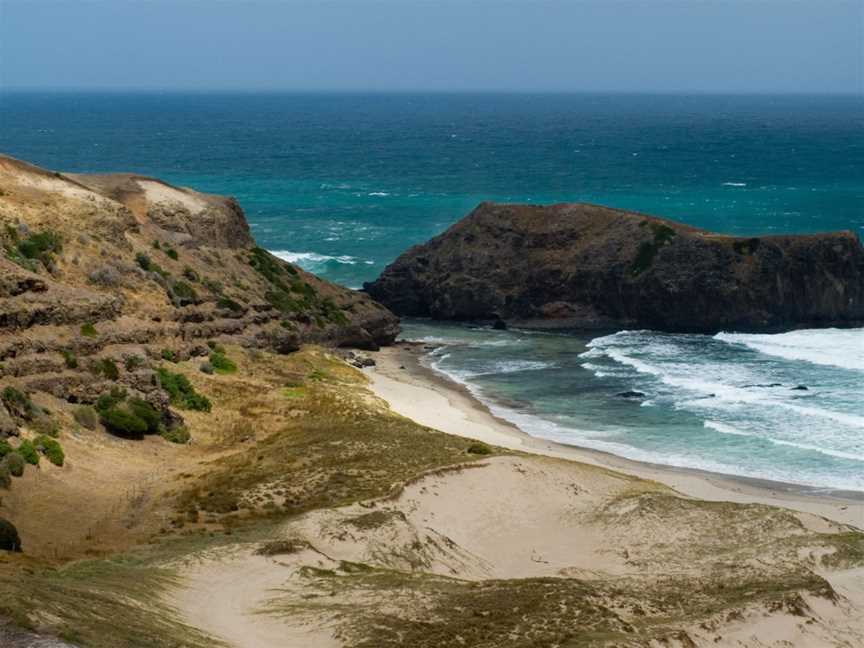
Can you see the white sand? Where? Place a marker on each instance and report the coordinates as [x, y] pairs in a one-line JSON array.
[[429, 399]]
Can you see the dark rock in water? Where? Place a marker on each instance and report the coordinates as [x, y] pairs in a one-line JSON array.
[[579, 265], [630, 394], [9, 539], [764, 385], [499, 325], [800, 388]]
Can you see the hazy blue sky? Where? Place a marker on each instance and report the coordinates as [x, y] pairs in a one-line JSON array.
[[635, 45]]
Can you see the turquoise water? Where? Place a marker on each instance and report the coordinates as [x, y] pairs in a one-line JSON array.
[[343, 183]]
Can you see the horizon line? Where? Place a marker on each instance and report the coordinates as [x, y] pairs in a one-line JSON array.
[[421, 91]]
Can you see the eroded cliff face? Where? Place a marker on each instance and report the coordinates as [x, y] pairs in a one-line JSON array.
[[130, 270], [579, 265]]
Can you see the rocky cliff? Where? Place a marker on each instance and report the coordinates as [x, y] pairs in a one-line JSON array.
[[103, 277], [579, 265]]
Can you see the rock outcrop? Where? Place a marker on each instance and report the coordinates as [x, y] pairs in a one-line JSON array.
[[130, 270], [585, 266]]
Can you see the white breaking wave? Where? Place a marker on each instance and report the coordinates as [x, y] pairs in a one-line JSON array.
[[734, 184], [313, 260], [728, 429], [842, 348]]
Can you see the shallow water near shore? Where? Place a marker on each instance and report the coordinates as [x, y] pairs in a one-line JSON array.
[[733, 404]]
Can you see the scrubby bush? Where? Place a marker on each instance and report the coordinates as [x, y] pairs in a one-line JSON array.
[[50, 448], [28, 452], [108, 368], [110, 399], [88, 330], [190, 274], [206, 368], [15, 462], [5, 448], [221, 363], [106, 277], [41, 246], [179, 434], [70, 360], [147, 413], [181, 392], [9, 538], [479, 449], [183, 291], [230, 304], [133, 362], [86, 417], [144, 261], [45, 425], [18, 403], [168, 355], [5, 475], [171, 252], [123, 423]]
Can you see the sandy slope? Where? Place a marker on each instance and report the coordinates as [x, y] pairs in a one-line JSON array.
[[415, 392]]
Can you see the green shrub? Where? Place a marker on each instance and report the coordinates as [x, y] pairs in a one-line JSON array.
[[18, 403], [88, 330], [28, 452], [190, 274], [86, 416], [5, 475], [168, 355], [181, 392], [144, 261], [70, 360], [9, 538], [221, 363], [123, 422], [147, 413], [184, 291], [171, 252], [5, 448], [106, 401], [108, 368], [50, 448], [133, 362], [15, 462], [230, 304], [179, 434], [479, 449], [41, 246], [155, 245], [45, 425]]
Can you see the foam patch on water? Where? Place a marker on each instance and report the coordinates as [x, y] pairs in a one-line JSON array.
[[842, 348], [313, 261]]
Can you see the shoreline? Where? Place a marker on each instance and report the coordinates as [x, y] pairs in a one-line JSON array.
[[415, 390]]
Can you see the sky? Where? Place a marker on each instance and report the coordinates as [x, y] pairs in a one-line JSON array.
[[764, 46]]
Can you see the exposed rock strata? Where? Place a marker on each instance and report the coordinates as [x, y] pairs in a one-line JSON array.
[[130, 269], [579, 265]]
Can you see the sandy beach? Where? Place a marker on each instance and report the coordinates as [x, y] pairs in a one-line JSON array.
[[403, 378]]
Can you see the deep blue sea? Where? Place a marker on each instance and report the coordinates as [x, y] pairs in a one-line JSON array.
[[343, 183]]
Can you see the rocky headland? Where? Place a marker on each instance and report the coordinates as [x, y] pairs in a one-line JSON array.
[[586, 266]]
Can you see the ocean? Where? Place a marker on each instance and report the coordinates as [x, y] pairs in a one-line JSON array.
[[343, 183]]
